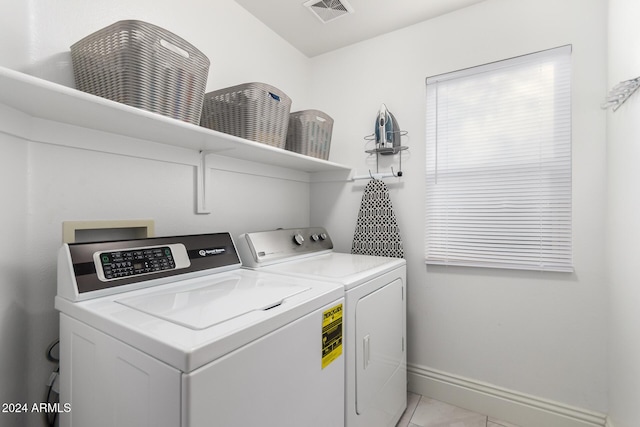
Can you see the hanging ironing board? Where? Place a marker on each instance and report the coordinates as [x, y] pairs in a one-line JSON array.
[[377, 232]]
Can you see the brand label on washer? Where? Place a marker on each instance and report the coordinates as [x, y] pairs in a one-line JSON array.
[[209, 252], [331, 335]]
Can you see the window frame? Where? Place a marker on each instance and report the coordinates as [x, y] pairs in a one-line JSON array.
[[446, 243]]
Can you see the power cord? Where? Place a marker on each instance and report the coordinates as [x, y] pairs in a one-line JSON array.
[[52, 393], [50, 356]]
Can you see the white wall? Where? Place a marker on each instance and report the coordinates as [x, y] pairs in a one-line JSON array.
[[13, 311], [623, 145], [538, 333], [42, 185], [543, 334], [14, 50]]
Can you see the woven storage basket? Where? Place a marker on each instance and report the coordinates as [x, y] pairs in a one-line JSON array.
[[254, 111], [144, 66], [310, 133]]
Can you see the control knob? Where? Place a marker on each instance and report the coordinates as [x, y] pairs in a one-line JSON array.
[[323, 236], [298, 239], [315, 237]]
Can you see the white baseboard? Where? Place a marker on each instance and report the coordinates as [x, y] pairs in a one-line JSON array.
[[507, 405]]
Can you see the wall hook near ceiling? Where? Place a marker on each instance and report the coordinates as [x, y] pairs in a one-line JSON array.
[[620, 93]]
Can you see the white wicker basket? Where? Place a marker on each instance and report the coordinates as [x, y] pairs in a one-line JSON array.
[[254, 111], [310, 133], [144, 66]]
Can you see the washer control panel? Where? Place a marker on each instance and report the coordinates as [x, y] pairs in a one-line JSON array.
[[91, 269], [118, 264]]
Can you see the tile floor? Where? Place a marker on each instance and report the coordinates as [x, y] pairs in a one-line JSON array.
[[424, 412]]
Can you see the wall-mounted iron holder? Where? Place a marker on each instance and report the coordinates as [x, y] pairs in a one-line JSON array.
[[384, 151]]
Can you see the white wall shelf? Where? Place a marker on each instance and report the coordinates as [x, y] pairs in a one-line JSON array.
[[57, 103]]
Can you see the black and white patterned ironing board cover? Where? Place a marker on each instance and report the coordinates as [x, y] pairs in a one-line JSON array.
[[377, 231]]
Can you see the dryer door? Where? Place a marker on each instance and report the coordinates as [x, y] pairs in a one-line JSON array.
[[380, 352]]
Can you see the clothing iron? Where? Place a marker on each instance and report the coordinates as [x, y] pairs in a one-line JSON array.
[[387, 131]]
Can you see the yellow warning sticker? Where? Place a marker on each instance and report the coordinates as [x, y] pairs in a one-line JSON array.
[[331, 335]]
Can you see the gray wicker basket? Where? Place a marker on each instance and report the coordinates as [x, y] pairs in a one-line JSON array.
[[254, 111], [310, 133], [144, 66]]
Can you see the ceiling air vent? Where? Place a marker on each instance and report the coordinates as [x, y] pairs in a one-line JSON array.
[[328, 10]]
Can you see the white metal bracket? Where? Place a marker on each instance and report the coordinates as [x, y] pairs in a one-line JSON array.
[[203, 182]]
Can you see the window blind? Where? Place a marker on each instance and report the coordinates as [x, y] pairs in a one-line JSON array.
[[499, 164]]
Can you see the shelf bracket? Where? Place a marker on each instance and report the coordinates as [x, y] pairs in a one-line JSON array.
[[203, 182]]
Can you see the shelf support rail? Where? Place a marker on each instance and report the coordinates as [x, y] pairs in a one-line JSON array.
[[377, 175]]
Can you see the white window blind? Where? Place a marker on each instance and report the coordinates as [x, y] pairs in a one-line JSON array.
[[499, 164]]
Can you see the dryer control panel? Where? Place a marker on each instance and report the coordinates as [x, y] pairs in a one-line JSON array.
[[268, 247]]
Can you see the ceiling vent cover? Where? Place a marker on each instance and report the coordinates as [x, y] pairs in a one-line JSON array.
[[328, 10]]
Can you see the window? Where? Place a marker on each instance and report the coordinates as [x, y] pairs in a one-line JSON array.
[[499, 164]]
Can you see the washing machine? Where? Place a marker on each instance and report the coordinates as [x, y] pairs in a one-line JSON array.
[[374, 315], [170, 331]]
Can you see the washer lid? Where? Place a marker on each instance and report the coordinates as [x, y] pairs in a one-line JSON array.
[[204, 305]]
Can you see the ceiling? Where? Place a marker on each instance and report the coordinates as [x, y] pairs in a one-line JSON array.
[[295, 23]]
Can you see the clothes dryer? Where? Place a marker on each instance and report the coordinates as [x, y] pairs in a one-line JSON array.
[[375, 314], [170, 331]]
